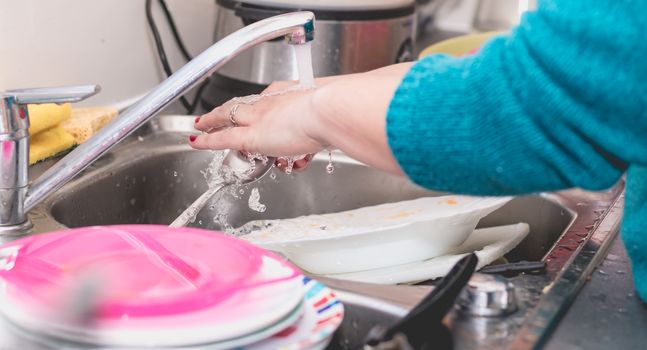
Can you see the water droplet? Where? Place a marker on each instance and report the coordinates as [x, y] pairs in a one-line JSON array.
[[290, 165], [175, 173], [330, 168], [133, 201], [272, 176]]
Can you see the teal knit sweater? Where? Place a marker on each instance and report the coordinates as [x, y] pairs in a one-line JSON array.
[[560, 102]]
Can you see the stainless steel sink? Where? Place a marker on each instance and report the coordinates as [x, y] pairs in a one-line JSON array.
[[154, 176], [154, 180]]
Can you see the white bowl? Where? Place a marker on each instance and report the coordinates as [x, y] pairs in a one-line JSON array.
[[374, 237], [489, 244]]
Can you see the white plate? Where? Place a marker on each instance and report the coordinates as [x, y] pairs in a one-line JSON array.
[[271, 314], [323, 315], [240, 313], [311, 329], [356, 240], [489, 244]]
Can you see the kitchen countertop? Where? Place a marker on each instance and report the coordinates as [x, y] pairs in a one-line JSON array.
[[606, 314]]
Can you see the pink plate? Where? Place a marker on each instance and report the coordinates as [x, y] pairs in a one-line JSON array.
[[145, 280]]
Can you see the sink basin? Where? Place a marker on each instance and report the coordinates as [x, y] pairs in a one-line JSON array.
[[158, 187], [154, 180]]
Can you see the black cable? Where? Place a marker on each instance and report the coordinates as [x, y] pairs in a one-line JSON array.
[[190, 107], [176, 34], [187, 56]]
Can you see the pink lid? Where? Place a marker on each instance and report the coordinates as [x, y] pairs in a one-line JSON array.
[[142, 270]]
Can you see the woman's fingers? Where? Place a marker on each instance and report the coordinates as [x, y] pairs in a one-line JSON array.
[[303, 164], [236, 113], [275, 125], [281, 163], [216, 119], [234, 138], [228, 115]]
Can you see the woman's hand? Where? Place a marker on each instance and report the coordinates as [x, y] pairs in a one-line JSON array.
[[276, 126], [343, 112]]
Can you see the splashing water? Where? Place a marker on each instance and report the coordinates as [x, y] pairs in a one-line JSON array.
[[217, 175], [290, 165], [290, 160], [254, 201]]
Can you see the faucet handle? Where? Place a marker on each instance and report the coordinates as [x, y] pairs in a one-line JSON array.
[[54, 94]]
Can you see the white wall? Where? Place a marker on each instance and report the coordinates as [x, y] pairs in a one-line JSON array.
[[479, 15], [106, 42]]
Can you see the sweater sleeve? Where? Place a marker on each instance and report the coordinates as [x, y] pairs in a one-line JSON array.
[[559, 102]]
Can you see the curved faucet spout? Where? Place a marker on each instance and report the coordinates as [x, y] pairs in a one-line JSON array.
[[297, 28]]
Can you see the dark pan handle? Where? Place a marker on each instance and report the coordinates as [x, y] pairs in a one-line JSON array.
[[426, 317]]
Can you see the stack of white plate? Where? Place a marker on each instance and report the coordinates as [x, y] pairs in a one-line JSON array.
[[151, 286]]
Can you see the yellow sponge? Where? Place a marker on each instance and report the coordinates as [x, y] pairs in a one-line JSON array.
[[49, 143], [46, 116], [85, 122]]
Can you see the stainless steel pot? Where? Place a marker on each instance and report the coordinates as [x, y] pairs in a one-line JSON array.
[[350, 37]]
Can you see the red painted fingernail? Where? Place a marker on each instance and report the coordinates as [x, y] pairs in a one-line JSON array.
[[197, 120], [192, 138]]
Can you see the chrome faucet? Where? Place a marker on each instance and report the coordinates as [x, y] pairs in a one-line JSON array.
[[16, 199]]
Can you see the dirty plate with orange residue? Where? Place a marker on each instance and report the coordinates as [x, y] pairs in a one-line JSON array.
[[376, 236]]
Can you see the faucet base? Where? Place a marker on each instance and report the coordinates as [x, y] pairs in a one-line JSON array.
[[16, 230], [12, 200]]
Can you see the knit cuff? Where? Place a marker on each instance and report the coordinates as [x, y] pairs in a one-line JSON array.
[[432, 134]]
